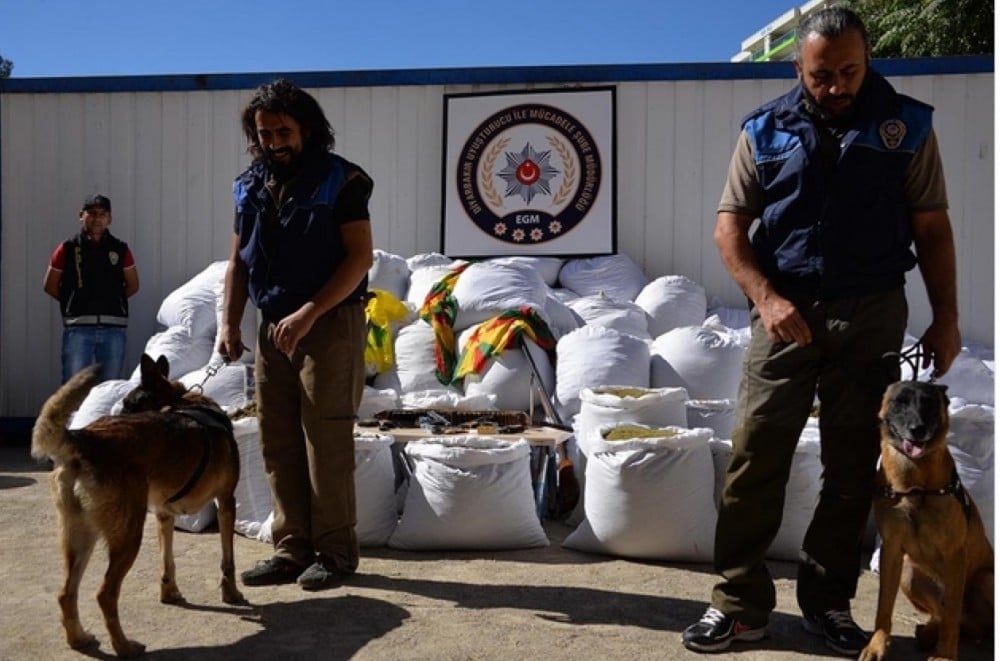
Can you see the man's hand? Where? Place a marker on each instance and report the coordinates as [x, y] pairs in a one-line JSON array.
[[941, 343], [287, 333], [230, 343], [782, 321]]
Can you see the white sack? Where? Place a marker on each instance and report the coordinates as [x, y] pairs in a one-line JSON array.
[[389, 273], [447, 400], [595, 356], [648, 498], [425, 259], [562, 318], [198, 521], [623, 316], [731, 317], [375, 489], [971, 437], [422, 279], [546, 267], [601, 406], [374, 400], [192, 305], [705, 360], [253, 495], [468, 492], [719, 415], [487, 289], [183, 352], [101, 401], [615, 275], [968, 378], [672, 301], [415, 364], [609, 405], [227, 387]]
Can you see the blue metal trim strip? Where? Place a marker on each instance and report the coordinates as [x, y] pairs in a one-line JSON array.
[[596, 73]]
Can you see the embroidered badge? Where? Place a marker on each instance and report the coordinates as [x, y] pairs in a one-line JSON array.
[[113, 256], [892, 132]]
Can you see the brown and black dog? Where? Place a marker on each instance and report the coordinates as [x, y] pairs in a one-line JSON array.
[[172, 453], [934, 545]]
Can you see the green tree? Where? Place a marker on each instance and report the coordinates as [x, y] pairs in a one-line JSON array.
[[6, 66], [927, 28]]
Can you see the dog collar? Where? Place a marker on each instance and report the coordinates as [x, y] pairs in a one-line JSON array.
[[954, 487]]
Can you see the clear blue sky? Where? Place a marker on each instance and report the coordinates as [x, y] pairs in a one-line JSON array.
[[139, 37]]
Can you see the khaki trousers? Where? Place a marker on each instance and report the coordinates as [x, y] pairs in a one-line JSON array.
[[306, 407], [844, 366]]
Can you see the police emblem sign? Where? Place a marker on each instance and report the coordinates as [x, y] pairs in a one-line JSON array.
[[529, 173]]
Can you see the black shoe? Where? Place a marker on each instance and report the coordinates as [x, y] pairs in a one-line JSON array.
[[273, 571], [716, 630], [321, 574], [839, 630]]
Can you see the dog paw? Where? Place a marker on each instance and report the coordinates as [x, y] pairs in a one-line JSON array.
[[172, 597], [231, 595], [877, 647], [129, 649], [82, 640]]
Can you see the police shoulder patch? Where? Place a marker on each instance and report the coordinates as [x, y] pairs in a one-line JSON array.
[[892, 132]]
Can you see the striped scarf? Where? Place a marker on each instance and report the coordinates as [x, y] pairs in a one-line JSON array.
[[439, 310], [500, 333]]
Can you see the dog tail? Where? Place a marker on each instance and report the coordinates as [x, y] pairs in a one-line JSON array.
[[49, 433]]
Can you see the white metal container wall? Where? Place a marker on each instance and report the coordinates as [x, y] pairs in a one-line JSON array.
[[167, 161]]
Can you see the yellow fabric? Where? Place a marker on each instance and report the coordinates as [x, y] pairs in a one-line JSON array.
[[383, 310]]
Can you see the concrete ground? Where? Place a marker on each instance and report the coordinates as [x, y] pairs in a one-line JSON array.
[[548, 603]]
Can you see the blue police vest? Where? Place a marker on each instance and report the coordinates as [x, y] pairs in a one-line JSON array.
[[835, 230], [295, 259]]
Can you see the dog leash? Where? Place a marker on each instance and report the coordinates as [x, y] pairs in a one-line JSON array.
[[212, 370], [912, 357]]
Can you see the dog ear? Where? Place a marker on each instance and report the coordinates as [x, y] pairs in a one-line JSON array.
[[943, 390], [163, 366], [148, 371]]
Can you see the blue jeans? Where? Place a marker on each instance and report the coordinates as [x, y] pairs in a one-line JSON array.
[[85, 345]]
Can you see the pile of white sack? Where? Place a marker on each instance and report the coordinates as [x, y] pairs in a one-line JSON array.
[[631, 352]]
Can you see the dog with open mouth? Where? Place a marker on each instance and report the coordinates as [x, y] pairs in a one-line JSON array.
[[934, 545], [172, 452]]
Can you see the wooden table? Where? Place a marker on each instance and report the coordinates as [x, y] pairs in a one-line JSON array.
[[544, 442]]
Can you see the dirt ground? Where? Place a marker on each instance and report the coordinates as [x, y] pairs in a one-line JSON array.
[[549, 603]]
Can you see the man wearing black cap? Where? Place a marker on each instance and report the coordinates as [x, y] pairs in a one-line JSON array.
[[92, 275]]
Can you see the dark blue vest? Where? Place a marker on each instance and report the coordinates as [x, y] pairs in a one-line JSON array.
[[836, 229], [288, 264]]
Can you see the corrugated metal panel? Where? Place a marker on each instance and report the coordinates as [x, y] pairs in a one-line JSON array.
[[167, 160]]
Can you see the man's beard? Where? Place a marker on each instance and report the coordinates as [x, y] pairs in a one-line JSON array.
[[826, 114], [283, 170]]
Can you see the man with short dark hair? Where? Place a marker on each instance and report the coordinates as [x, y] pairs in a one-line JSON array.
[[844, 175], [301, 252], [92, 275]]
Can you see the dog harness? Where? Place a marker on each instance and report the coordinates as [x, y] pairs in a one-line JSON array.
[[207, 417], [954, 487]]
